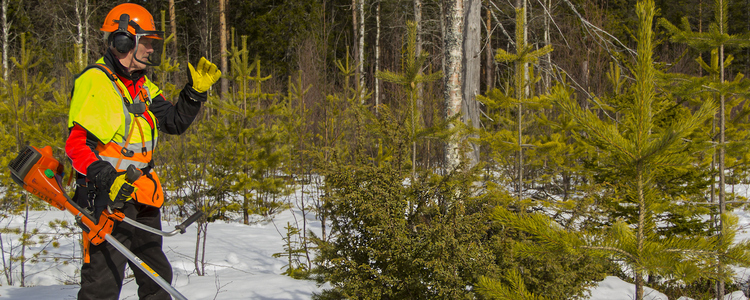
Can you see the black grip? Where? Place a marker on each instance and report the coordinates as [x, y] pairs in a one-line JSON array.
[[132, 174], [197, 215]]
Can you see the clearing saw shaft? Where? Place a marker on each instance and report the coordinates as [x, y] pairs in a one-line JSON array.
[[37, 171]]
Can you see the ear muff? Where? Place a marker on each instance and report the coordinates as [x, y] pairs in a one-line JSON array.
[[122, 40]]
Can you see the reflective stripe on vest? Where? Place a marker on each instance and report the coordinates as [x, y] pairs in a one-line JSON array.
[[111, 153], [125, 108]]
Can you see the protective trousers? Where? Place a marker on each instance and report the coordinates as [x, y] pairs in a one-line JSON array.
[[102, 278]]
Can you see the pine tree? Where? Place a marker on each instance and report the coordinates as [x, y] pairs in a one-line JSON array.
[[731, 140], [521, 59], [254, 151], [294, 251], [24, 105], [515, 290], [384, 248], [641, 149], [410, 80]]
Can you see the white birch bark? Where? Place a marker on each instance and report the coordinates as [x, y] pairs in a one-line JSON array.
[[86, 32], [6, 35], [79, 38], [453, 39], [490, 61]]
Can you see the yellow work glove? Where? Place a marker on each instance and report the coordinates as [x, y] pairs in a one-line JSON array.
[[120, 191], [204, 76]]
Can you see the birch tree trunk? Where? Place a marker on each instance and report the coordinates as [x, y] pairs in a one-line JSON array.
[[79, 38], [453, 39], [472, 65], [86, 32], [489, 59], [223, 47], [6, 35], [82, 26]]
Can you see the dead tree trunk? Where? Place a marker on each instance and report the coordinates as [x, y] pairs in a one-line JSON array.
[[471, 70]]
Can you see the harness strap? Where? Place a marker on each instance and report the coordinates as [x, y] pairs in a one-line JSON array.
[[138, 107], [112, 77], [125, 152]]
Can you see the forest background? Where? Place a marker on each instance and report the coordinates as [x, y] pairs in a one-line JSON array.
[[451, 148]]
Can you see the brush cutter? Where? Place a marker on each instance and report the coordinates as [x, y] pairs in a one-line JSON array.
[[37, 171]]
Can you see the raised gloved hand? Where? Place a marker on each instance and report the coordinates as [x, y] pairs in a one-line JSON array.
[[204, 76]]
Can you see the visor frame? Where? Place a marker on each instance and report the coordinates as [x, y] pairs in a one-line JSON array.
[[154, 59]]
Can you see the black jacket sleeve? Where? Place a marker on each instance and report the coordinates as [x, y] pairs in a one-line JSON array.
[[176, 118]]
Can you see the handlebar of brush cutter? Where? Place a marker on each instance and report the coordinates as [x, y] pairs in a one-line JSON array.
[[177, 229]]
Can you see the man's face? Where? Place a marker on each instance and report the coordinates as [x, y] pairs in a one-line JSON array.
[[143, 50]]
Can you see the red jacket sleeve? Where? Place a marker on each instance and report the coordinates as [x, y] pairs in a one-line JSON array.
[[80, 148]]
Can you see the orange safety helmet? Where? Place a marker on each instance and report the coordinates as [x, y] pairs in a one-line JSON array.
[[136, 13], [127, 23]]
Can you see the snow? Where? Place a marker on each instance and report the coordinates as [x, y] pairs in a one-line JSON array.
[[239, 262], [613, 288]]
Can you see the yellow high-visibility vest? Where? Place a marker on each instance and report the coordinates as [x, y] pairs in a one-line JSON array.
[[100, 105]]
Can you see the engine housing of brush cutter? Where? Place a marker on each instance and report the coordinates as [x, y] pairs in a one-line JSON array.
[[38, 172], [35, 170]]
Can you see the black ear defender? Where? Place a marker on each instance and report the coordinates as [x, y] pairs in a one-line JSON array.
[[121, 39]]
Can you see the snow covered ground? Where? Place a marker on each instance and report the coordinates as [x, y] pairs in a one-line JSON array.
[[239, 260], [613, 288], [239, 257]]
